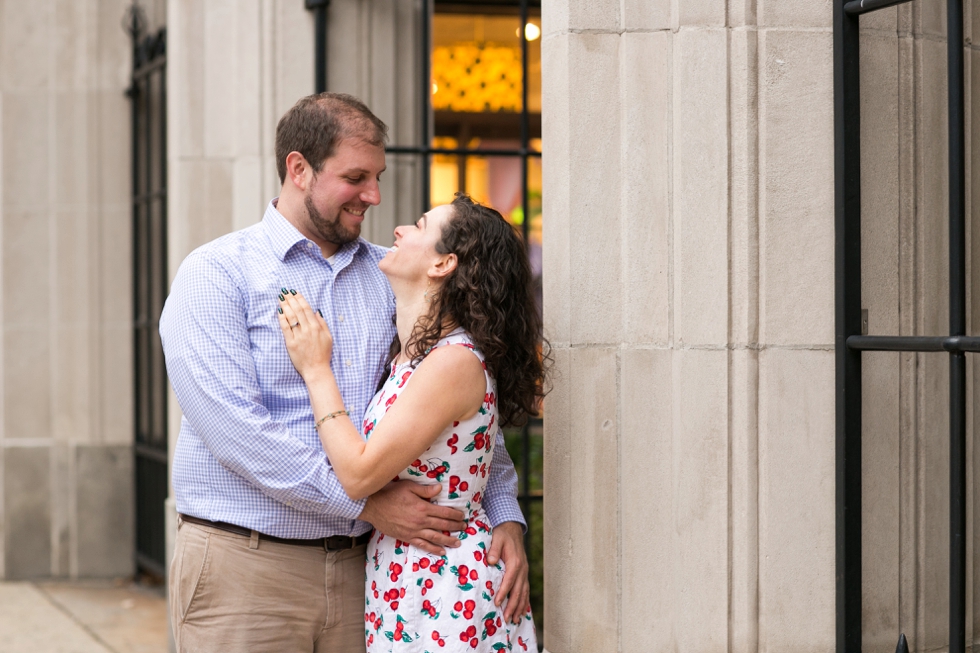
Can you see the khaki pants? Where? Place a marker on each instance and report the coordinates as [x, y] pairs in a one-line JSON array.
[[233, 593]]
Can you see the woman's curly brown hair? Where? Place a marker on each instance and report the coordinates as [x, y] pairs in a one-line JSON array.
[[490, 295]]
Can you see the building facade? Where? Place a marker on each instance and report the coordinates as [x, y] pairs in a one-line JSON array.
[[687, 211]]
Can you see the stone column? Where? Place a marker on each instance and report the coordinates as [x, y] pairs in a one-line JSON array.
[[689, 297], [66, 477]]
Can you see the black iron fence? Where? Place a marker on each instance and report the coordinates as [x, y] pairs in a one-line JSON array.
[[148, 96], [851, 338]]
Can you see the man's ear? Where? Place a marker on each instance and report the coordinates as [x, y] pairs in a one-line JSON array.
[[443, 267], [298, 170]]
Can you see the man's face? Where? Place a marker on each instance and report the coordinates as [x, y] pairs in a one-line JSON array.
[[342, 191]]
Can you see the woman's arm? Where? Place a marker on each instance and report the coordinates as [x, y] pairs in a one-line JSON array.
[[448, 385]]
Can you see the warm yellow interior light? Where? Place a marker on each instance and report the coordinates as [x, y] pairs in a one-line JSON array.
[[531, 32]]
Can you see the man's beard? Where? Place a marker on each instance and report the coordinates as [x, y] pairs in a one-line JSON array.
[[331, 231]]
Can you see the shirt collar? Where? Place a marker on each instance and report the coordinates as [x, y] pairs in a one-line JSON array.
[[284, 236]]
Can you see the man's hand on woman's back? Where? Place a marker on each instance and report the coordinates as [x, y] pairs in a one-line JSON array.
[[402, 510]]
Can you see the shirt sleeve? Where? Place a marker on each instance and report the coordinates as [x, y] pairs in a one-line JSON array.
[[500, 497], [212, 371]]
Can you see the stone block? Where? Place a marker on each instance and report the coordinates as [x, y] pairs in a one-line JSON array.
[[795, 13], [71, 140], [743, 384], [582, 530], [27, 383], [646, 15], [110, 150], [932, 190], [104, 476], [73, 264], [61, 509], [599, 15], [25, 157], [595, 227], [880, 182], [27, 511], [219, 200], [115, 261], [883, 472], [248, 203], [700, 489], [647, 500], [741, 13], [248, 79], [26, 260], [932, 476], [743, 267], [708, 13], [796, 204], [559, 475], [186, 78], [882, 20], [113, 375], [700, 184], [221, 73], [25, 38], [293, 44], [71, 392], [556, 203], [796, 500], [646, 130], [71, 44], [930, 19]]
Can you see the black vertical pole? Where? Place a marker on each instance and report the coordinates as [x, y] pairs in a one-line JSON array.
[[847, 279], [957, 327], [319, 8], [426, 102]]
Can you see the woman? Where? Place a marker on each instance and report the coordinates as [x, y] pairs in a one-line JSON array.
[[468, 336]]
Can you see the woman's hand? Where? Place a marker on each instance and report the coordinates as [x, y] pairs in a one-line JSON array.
[[308, 339]]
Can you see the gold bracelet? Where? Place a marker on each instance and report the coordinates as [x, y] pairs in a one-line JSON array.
[[323, 419]]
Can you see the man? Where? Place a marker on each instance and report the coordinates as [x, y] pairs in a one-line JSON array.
[[270, 551]]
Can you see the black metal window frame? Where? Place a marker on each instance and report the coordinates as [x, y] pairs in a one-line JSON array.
[[851, 339], [147, 94], [526, 497]]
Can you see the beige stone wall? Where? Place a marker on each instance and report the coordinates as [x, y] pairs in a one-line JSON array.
[[66, 360], [690, 437]]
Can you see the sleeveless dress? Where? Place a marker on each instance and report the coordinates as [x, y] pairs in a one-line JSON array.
[[420, 602]]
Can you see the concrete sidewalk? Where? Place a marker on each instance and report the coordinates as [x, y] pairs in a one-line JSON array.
[[82, 617]]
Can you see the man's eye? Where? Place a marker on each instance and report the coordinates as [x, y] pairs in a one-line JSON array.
[[354, 180]]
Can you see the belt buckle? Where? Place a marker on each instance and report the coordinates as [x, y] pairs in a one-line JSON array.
[[339, 542]]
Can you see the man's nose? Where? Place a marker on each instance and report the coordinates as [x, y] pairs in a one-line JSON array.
[[372, 194], [398, 231]]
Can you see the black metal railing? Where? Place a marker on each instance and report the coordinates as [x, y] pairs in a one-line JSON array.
[[850, 340], [148, 97]]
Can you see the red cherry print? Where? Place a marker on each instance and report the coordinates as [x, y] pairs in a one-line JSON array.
[[424, 563], [463, 570], [394, 605], [464, 486], [400, 625], [442, 642], [415, 566], [423, 468], [473, 575], [398, 635], [470, 530], [474, 642], [468, 614], [474, 469], [428, 583], [416, 463], [374, 584], [431, 474], [498, 622], [458, 607], [441, 469], [478, 555], [401, 593], [455, 424], [435, 635]]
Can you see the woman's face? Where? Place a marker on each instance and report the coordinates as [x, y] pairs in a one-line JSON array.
[[414, 251]]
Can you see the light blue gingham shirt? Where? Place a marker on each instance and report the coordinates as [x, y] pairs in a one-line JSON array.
[[248, 453]]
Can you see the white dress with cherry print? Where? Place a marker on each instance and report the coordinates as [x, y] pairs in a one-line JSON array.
[[416, 601]]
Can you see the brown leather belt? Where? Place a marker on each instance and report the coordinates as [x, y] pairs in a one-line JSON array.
[[332, 543]]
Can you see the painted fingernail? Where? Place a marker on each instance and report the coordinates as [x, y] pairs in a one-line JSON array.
[[292, 291], [319, 313], [284, 291], [281, 298], [280, 310]]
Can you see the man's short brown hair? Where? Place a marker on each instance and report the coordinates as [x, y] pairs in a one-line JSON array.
[[316, 125]]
